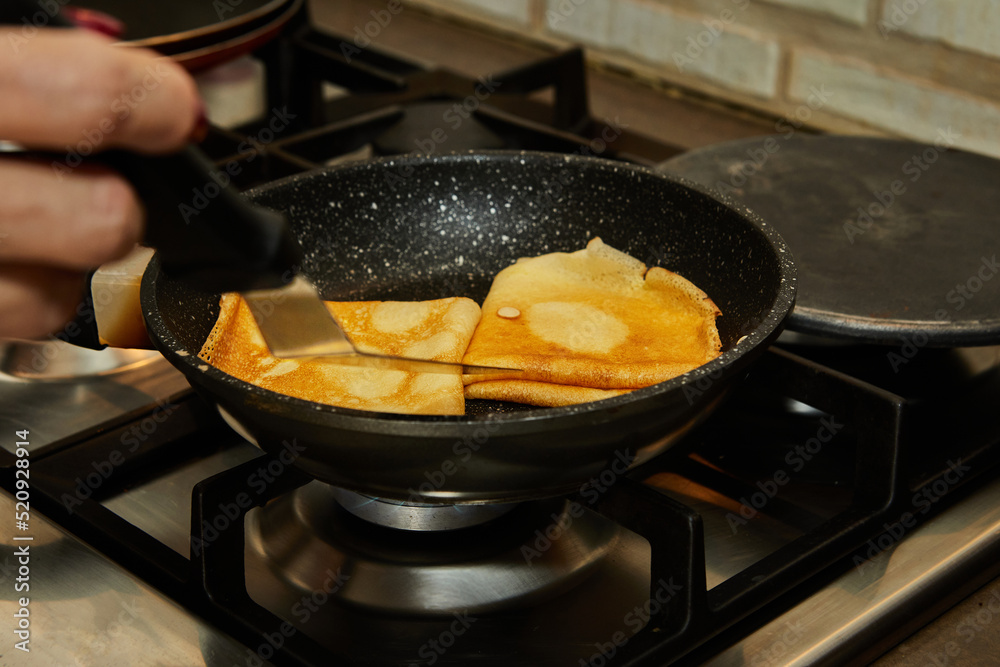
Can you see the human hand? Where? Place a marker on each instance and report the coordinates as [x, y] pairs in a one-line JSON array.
[[74, 92]]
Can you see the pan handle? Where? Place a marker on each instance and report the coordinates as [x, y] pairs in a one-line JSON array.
[[204, 231]]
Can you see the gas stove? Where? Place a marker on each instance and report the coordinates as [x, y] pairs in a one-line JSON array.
[[828, 508]]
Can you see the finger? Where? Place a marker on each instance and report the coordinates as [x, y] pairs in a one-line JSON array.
[[72, 90], [77, 220], [37, 301]]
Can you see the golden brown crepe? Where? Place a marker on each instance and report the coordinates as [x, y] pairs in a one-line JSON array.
[[588, 325], [438, 330]]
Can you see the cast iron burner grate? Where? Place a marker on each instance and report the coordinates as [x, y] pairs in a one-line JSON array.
[[390, 106], [876, 462]]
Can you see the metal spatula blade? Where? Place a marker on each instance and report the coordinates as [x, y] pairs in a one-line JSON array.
[[295, 323]]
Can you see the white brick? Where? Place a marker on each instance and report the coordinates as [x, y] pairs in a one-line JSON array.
[[904, 106], [973, 25], [584, 20], [518, 11], [711, 47], [852, 11]]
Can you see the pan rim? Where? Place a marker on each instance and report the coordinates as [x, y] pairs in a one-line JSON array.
[[764, 333]]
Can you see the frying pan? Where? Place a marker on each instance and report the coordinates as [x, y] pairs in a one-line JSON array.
[[195, 33], [426, 227]]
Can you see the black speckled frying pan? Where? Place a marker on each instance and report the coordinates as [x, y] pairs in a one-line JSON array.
[[430, 227], [895, 241]]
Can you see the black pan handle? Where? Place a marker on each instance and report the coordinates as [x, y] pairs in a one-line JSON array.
[[204, 231]]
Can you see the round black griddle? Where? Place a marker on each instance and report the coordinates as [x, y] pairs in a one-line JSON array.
[[419, 228], [895, 241]]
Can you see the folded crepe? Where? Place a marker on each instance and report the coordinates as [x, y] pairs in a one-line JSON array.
[[438, 330], [588, 325]]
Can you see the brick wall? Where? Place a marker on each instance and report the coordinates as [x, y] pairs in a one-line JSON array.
[[909, 68]]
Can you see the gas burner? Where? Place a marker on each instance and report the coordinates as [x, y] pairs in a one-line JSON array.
[[418, 516], [54, 359], [504, 556]]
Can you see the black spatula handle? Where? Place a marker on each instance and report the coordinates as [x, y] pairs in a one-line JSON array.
[[204, 231]]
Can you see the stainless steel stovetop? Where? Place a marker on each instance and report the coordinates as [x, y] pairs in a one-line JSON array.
[[86, 609]]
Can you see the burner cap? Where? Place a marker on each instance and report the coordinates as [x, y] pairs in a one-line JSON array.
[[418, 516]]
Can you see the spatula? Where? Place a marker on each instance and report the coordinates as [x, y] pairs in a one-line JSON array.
[[295, 323], [230, 244], [207, 233]]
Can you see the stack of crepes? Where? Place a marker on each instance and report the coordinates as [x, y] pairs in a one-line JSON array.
[[588, 325], [580, 326], [438, 330]]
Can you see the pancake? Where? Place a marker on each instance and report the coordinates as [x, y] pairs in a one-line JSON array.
[[438, 330], [543, 394], [588, 325]]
